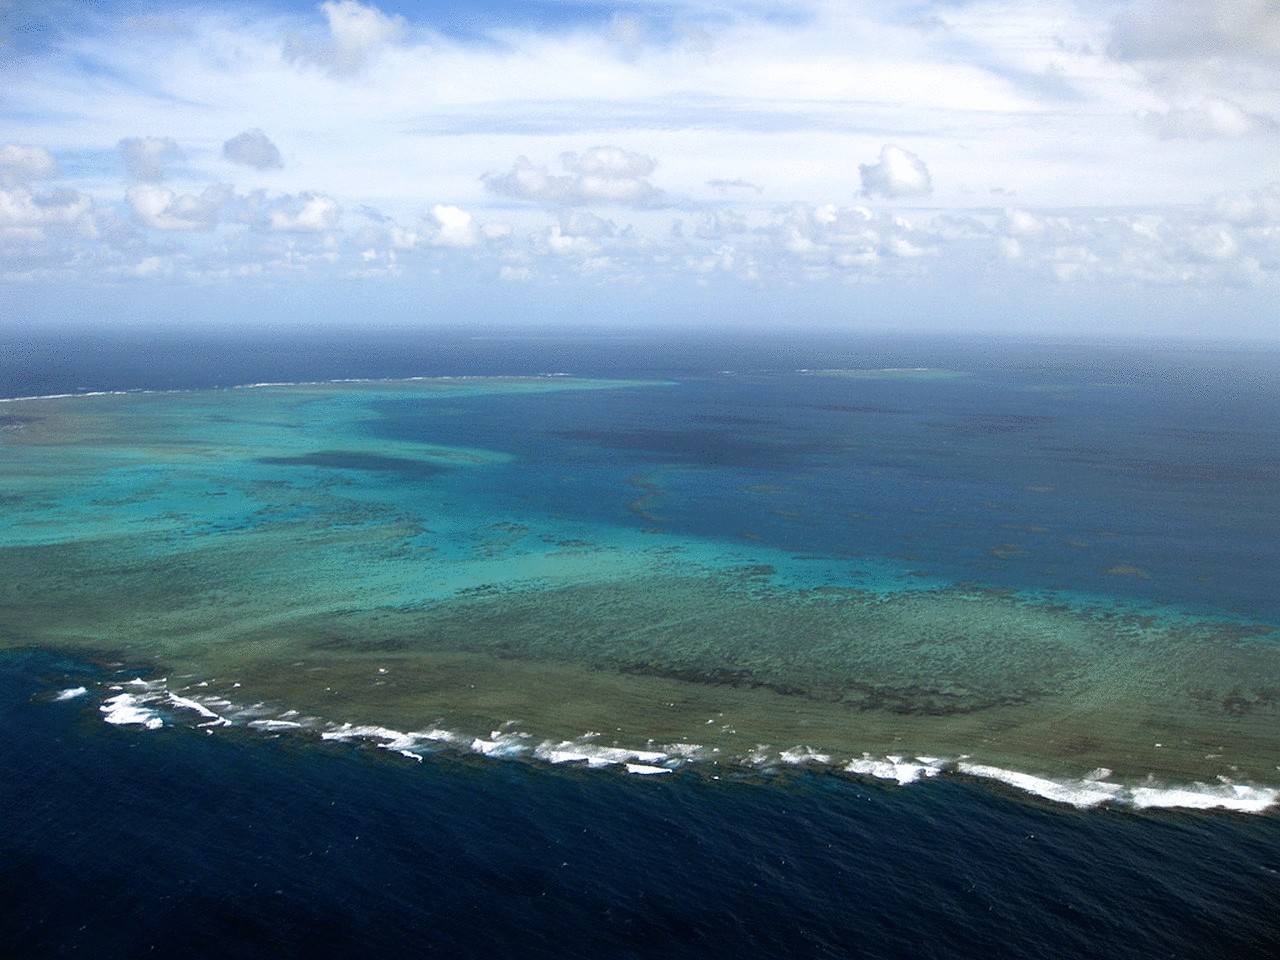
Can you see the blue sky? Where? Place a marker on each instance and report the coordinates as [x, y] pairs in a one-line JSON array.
[[1038, 166]]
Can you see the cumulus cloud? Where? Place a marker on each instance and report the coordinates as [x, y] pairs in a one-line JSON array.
[[719, 222], [1233, 241], [253, 149], [525, 181], [600, 175], [1213, 242], [1022, 223], [1260, 208], [580, 223], [567, 244], [445, 225], [145, 157], [357, 33], [1210, 119], [29, 218], [829, 240], [22, 164], [898, 173], [454, 227], [42, 232], [160, 208], [304, 213]]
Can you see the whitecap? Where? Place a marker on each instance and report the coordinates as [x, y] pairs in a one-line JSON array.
[[684, 751], [501, 744], [761, 756], [1202, 796], [798, 755], [198, 707], [595, 755], [274, 725], [897, 768], [646, 770], [384, 737], [124, 709], [1081, 794], [71, 693]]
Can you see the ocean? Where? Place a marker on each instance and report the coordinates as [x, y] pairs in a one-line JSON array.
[[588, 644]]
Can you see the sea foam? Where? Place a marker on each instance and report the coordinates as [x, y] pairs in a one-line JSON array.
[[1227, 796], [1081, 794], [1094, 791], [188, 704], [142, 703], [897, 768], [595, 755], [125, 709]]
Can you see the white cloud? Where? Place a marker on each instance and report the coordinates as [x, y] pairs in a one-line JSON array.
[[581, 223], [719, 222], [145, 157], [569, 245], [902, 247], [304, 213], [1255, 208], [160, 208], [46, 233], [357, 33], [1214, 242], [605, 174], [454, 227], [898, 173], [1233, 240], [1022, 223], [22, 164], [812, 243], [253, 149], [1211, 118], [444, 225], [32, 218], [758, 126]]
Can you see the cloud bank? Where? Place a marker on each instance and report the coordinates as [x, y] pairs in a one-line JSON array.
[[1046, 146], [609, 175]]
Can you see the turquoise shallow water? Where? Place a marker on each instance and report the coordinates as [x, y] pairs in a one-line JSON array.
[[1036, 564]]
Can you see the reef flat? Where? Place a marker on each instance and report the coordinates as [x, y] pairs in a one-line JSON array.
[[543, 564]]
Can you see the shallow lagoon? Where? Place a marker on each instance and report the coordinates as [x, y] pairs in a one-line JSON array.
[[741, 569]]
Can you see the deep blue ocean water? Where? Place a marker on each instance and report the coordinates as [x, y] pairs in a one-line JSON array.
[[121, 843], [181, 843]]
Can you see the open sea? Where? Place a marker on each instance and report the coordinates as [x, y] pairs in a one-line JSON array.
[[596, 644]]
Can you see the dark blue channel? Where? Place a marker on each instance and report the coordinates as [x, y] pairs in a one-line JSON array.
[[120, 844]]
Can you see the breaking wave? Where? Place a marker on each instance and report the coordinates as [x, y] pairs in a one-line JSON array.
[[152, 705]]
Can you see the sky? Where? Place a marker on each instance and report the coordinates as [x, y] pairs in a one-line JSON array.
[[1059, 166]]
